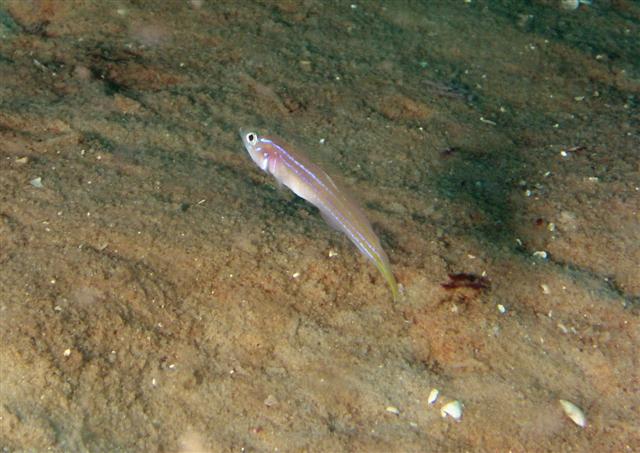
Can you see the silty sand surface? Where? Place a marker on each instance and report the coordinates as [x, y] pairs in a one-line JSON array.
[[159, 293]]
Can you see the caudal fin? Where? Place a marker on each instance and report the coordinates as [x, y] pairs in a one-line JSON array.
[[385, 270]]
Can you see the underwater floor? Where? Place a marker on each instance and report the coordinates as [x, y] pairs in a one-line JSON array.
[[158, 292]]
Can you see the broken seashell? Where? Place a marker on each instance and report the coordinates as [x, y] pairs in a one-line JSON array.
[[393, 410], [574, 413], [452, 409], [433, 396], [573, 4]]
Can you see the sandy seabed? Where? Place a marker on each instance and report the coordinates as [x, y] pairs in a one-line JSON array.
[[159, 293]]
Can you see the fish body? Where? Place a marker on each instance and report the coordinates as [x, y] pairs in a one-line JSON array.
[[307, 180]]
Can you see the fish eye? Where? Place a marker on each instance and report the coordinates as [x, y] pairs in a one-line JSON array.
[[252, 138]]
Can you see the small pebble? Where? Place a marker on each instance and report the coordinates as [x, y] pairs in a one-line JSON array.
[[574, 413], [452, 409], [501, 309], [37, 182], [270, 401], [540, 254], [67, 352], [545, 288], [569, 4], [433, 396]]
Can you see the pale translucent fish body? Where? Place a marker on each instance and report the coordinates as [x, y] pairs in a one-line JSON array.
[[307, 180]]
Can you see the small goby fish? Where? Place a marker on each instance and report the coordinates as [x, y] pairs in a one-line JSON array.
[[309, 181]]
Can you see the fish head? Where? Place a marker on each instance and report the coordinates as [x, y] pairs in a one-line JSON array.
[[256, 149]]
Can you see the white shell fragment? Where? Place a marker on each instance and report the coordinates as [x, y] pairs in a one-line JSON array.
[[540, 254], [573, 4], [393, 410], [433, 396], [574, 413], [37, 182], [452, 409]]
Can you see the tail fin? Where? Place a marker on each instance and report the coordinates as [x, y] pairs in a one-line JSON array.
[[385, 270]]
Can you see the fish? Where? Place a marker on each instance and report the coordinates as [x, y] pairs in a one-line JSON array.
[[295, 170]]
